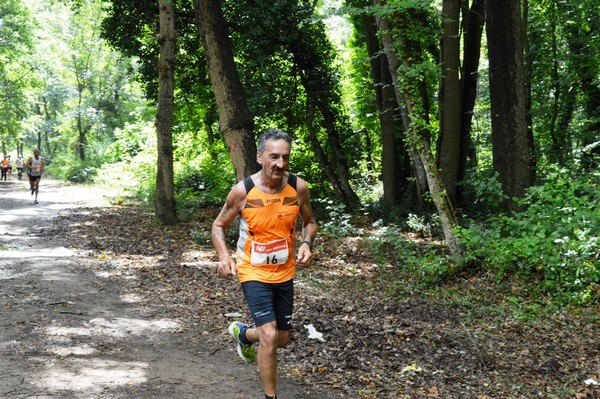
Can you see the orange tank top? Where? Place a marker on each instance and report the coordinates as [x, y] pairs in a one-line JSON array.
[[267, 233]]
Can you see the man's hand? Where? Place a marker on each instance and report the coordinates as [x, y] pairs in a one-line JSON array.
[[227, 267], [304, 256]]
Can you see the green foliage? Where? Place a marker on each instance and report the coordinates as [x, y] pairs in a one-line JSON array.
[[16, 27], [417, 265], [204, 236], [484, 190], [76, 171], [67, 167], [134, 173], [129, 141], [201, 237], [553, 244], [555, 238], [205, 184], [333, 218]]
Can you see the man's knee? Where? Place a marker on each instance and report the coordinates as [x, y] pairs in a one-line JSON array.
[[268, 332]]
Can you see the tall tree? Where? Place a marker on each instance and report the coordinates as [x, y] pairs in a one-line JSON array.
[[581, 33], [235, 117], [311, 52], [512, 146], [472, 23], [81, 90], [289, 67], [449, 139], [392, 175], [165, 193], [411, 96], [16, 27]]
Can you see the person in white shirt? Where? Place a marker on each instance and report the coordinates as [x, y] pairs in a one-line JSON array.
[[20, 166], [35, 170]]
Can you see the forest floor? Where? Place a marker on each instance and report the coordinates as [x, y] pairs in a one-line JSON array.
[[97, 301]]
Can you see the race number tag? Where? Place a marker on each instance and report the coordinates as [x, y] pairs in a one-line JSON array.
[[269, 254]]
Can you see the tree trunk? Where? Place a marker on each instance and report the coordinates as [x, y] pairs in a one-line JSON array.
[[328, 168], [527, 68], [81, 132], [563, 142], [394, 65], [164, 204], [235, 118], [584, 61], [319, 102], [473, 21], [391, 167], [449, 140], [419, 141], [349, 197], [512, 149], [557, 143]]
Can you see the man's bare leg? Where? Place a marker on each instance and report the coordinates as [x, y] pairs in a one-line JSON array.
[[269, 340], [36, 186]]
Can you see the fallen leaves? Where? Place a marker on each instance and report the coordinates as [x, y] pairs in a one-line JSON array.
[[375, 347]]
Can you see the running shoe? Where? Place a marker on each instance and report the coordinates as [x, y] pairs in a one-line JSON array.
[[246, 352]]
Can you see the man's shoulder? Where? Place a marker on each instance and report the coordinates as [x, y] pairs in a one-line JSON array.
[[238, 191], [301, 183]]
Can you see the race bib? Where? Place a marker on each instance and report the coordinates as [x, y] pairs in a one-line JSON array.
[[269, 254]]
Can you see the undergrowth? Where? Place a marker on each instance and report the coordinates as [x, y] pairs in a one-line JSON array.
[[551, 246], [554, 240]]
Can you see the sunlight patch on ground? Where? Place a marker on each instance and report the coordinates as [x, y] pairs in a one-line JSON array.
[[131, 298], [200, 259], [54, 252], [134, 326], [18, 213], [72, 350], [115, 264], [91, 375], [113, 274], [119, 327]]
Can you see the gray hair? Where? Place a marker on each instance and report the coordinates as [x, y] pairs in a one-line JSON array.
[[272, 134]]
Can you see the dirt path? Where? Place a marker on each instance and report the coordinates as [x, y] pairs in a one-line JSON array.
[[69, 330]]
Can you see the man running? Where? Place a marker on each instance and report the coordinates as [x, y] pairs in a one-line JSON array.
[[35, 169], [268, 203], [4, 167], [20, 166]]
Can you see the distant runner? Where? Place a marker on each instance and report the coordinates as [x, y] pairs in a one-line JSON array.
[[20, 166], [4, 167], [35, 169]]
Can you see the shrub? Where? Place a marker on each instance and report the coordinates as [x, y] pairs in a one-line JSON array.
[[333, 218], [555, 238], [72, 169], [205, 184]]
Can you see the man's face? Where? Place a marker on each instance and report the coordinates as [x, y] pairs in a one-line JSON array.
[[275, 159]]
